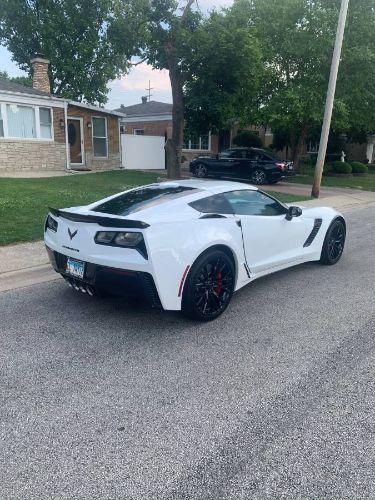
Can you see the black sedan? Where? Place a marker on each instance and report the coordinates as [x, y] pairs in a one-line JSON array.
[[251, 164]]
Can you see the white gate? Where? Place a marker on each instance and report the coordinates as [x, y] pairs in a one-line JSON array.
[[142, 152]]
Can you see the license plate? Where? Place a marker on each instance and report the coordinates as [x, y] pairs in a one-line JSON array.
[[75, 268]]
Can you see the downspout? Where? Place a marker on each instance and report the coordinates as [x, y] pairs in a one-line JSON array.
[[119, 140], [66, 136]]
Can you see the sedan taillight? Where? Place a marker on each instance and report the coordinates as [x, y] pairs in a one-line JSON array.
[[280, 166]]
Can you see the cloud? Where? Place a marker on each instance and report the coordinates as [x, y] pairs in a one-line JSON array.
[[139, 77], [130, 88], [207, 5]]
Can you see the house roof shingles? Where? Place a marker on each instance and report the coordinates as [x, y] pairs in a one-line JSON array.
[[8, 86], [151, 108], [17, 88]]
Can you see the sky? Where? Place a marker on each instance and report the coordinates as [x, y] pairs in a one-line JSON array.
[[130, 88]]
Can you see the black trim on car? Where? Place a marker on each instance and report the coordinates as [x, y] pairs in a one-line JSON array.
[[212, 216], [98, 219], [314, 232], [123, 282]]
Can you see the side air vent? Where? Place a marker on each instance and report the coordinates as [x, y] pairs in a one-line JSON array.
[[314, 232], [212, 216]]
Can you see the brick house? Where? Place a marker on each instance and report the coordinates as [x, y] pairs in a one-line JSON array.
[[155, 118], [40, 131]]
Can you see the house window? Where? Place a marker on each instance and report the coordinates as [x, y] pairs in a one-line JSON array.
[[192, 142], [25, 122], [45, 123], [139, 131], [21, 121], [99, 136]]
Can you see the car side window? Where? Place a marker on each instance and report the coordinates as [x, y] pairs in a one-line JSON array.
[[249, 202], [217, 204]]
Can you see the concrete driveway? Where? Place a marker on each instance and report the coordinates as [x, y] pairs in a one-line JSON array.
[[276, 399]]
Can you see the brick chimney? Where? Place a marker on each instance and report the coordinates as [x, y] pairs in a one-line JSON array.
[[40, 73], [144, 99]]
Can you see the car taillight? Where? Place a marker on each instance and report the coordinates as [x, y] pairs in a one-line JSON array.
[[280, 166], [125, 239], [51, 224]]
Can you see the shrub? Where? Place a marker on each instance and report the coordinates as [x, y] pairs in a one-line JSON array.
[[327, 169], [340, 167], [359, 168], [248, 139]]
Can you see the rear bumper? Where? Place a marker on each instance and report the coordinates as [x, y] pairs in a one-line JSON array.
[[123, 282]]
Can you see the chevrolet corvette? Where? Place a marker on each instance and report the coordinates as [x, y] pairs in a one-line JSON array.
[[187, 245]]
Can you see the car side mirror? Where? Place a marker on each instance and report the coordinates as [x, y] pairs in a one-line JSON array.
[[293, 212]]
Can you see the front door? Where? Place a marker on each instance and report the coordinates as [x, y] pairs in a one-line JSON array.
[[75, 139]]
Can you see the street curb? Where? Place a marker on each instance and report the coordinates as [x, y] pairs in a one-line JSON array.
[[27, 277]]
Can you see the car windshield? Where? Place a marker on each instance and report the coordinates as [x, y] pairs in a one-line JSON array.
[[142, 198]]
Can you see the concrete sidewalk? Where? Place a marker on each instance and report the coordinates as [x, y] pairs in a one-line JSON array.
[[27, 264], [23, 265]]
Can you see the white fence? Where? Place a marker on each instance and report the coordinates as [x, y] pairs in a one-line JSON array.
[[143, 152]]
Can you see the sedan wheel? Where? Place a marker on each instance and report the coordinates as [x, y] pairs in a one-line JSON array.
[[334, 243], [200, 170], [258, 176], [209, 286]]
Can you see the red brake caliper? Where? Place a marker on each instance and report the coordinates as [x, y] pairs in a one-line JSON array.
[[219, 283]]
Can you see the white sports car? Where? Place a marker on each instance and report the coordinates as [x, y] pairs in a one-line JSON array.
[[187, 245]]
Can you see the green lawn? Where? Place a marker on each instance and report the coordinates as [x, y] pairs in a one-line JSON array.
[[24, 202], [366, 183], [287, 198]]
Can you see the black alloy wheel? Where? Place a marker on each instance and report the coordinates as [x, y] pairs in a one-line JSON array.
[[200, 170], [334, 243], [258, 176], [209, 286]]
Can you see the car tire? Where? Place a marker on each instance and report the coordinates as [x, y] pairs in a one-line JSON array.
[[200, 170], [258, 176], [334, 243], [209, 286]]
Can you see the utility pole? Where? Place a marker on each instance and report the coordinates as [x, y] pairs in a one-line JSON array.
[[330, 99]]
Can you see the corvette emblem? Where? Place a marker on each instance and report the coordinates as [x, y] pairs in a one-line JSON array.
[[71, 235]]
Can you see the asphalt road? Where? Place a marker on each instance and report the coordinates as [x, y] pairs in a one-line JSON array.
[[276, 399]]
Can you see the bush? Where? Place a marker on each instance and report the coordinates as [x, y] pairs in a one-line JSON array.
[[359, 168], [340, 167], [248, 139], [327, 170], [371, 167]]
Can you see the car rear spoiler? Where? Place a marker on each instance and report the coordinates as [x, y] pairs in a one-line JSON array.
[[98, 219]]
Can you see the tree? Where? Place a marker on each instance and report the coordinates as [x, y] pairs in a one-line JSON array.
[[165, 33], [297, 37], [22, 80], [224, 75], [248, 139], [74, 36]]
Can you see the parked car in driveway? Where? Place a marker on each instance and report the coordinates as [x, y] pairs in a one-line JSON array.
[[187, 245], [250, 164]]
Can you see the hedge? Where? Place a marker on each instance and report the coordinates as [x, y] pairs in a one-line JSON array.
[[359, 168], [341, 167]]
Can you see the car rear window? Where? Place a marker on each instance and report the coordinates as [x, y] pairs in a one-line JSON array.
[[142, 198]]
